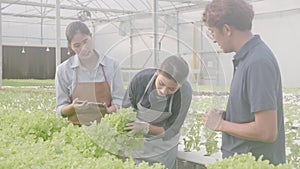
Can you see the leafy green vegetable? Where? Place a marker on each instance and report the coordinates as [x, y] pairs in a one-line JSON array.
[[32, 136], [246, 161], [110, 134]]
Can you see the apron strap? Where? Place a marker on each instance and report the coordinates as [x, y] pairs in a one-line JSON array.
[[171, 103], [147, 87], [102, 66], [105, 78], [106, 81], [76, 75]]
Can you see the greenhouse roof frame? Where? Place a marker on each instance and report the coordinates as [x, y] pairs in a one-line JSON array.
[[98, 10], [61, 12]]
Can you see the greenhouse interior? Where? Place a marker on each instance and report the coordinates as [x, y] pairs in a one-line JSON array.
[[136, 36]]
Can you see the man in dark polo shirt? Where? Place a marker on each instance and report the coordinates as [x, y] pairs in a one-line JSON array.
[[253, 121]]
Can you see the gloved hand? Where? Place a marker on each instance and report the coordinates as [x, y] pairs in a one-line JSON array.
[[137, 127]]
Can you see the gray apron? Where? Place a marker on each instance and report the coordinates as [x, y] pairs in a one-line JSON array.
[[155, 148]]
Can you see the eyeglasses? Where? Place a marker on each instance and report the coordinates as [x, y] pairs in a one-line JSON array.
[[209, 34]]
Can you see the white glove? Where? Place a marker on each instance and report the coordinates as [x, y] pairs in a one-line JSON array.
[[137, 127]]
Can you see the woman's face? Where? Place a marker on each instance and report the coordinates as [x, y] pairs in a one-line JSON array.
[[165, 86], [82, 45]]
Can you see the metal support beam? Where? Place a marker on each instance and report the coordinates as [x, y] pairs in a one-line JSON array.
[[1, 66], [195, 49], [155, 26], [198, 1], [177, 34], [58, 50], [67, 7], [36, 16], [42, 24], [131, 44], [186, 1]]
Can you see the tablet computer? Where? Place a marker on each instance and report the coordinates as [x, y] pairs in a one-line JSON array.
[[97, 104], [91, 103]]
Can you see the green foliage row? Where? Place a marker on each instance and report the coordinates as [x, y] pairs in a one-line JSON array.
[[246, 161], [27, 82], [196, 136], [32, 136]]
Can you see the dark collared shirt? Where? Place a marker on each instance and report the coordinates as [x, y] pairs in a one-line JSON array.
[[181, 101], [256, 86]]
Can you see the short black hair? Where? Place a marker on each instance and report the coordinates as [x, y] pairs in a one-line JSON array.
[[236, 13], [175, 68]]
